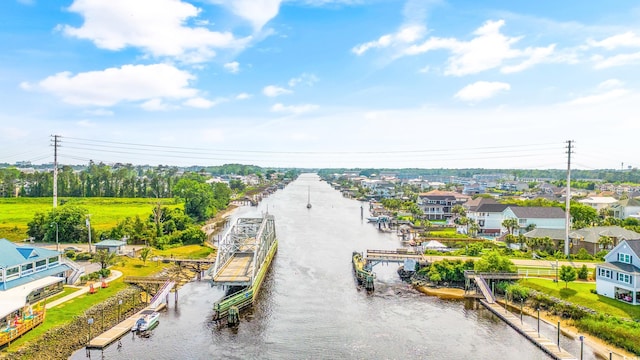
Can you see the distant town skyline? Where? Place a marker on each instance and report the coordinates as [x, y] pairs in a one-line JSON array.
[[321, 83]]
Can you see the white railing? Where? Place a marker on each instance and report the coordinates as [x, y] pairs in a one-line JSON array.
[[159, 296], [536, 272]]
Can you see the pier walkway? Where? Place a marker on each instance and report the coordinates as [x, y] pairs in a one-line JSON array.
[[549, 347]]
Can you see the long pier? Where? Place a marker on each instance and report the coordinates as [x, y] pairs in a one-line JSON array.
[[549, 347], [244, 256]]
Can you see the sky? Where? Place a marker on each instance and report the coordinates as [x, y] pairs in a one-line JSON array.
[[321, 83]]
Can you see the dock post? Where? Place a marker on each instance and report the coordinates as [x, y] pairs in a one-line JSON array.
[[233, 317], [521, 305], [558, 334], [581, 346]]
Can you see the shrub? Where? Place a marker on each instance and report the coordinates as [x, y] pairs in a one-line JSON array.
[[583, 254], [70, 254], [104, 272], [84, 256], [600, 254], [583, 273]]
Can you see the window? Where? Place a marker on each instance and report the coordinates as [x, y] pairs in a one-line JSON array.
[[604, 273], [625, 278], [625, 258], [12, 271], [40, 265], [522, 221]]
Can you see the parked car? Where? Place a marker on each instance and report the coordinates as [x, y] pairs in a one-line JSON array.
[[72, 248]]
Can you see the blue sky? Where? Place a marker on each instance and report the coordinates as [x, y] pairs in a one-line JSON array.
[[321, 83]]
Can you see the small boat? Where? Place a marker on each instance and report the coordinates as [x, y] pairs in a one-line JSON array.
[[148, 320]]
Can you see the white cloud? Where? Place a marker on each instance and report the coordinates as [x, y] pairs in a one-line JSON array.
[[243, 96], [489, 49], [156, 26], [628, 39], [294, 109], [202, 103], [600, 98], [602, 62], [257, 12], [113, 85], [155, 105], [99, 112], [273, 91], [305, 79], [406, 35], [610, 84], [232, 67], [86, 123], [212, 135], [481, 90]]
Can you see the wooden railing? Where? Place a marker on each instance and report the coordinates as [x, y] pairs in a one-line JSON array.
[[11, 333]]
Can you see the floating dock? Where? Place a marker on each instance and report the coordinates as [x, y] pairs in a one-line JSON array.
[[244, 257]]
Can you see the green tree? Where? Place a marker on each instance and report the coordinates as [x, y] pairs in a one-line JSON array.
[[198, 198], [511, 224], [70, 222], [104, 257], [145, 252], [583, 273], [567, 274], [583, 215], [494, 262]]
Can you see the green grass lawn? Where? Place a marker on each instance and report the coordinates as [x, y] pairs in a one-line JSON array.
[[67, 290], [15, 213], [580, 293]]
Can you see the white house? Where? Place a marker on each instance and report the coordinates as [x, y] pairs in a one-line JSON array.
[[599, 202], [489, 217], [541, 216], [626, 208], [619, 276]]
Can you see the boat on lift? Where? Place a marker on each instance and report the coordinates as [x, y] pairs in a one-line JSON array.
[[147, 321]]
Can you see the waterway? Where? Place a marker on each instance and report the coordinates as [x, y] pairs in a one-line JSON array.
[[311, 308]]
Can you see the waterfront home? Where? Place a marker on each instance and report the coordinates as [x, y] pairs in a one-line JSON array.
[[619, 276], [437, 205], [544, 217], [27, 274], [489, 217]]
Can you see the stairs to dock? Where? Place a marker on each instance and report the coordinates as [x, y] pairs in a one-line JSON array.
[[484, 288]]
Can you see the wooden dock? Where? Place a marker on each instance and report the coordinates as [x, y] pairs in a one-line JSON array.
[[549, 347], [106, 338]]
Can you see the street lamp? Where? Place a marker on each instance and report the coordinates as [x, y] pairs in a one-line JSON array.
[[90, 322], [57, 244]]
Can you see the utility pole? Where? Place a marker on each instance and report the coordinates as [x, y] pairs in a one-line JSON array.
[[567, 225], [89, 230], [56, 143]]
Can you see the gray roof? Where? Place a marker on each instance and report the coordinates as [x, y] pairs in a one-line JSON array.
[[111, 243], [537, 212], [616, 265], [590, 235], [12, 254], [634, 245], [557, 234], [492, 208]]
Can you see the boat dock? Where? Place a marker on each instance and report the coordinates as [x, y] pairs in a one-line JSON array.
[[549, 347]]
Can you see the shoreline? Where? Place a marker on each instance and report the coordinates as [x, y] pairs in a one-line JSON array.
[[600, 347]]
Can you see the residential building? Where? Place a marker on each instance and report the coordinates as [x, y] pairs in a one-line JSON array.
[[489, 218], [599, 202], [626, 208], [437, 205], [586, 238], [539, 216], [112, 246], [619, 276]]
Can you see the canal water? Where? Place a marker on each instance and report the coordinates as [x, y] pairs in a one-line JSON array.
[[311, 308]]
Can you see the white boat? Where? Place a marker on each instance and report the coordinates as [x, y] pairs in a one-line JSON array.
[[376, 219], [148, 320]]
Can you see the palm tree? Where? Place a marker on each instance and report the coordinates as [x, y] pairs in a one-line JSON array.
[[605, 242], [473, 228], [105, 258], [511, 224], [144, 254]]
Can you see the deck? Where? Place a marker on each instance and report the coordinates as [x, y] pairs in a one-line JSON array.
[[551, 348], [103, 340], [237, 271]]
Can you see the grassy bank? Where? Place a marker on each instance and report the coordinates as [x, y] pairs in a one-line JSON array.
[[15, 213]]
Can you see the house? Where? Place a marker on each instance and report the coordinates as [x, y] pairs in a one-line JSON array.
[[27, 274], [473, 204], [539, 216], [489, 217], [112, 246], [626, 208], [619, 276], [586, 238], [599, 202], [437, 205]]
